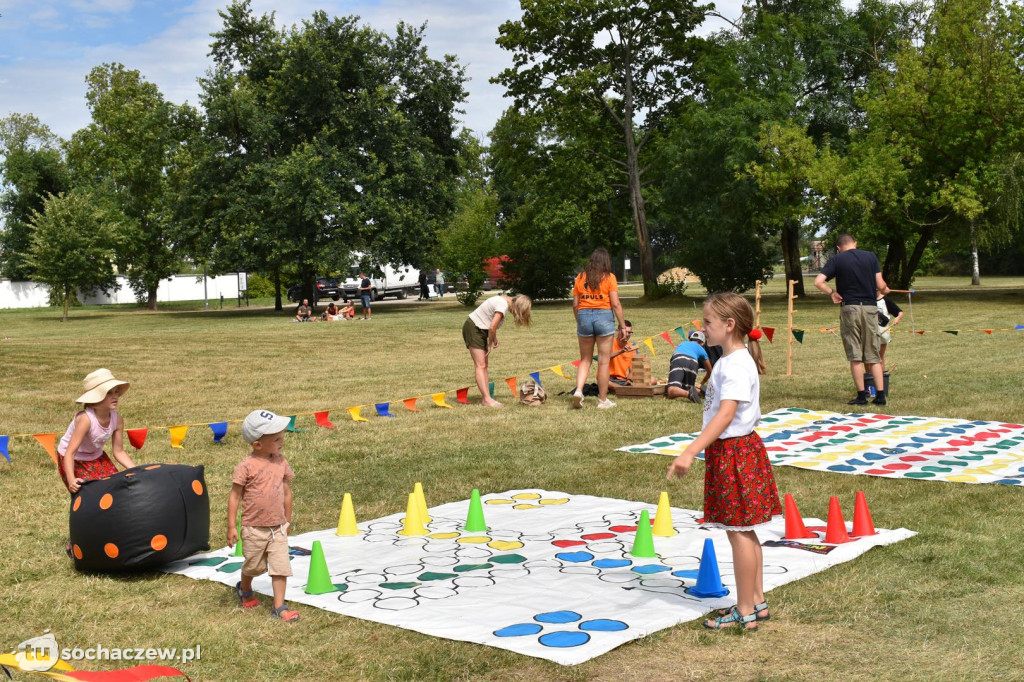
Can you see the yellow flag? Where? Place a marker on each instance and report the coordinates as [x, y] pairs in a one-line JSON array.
[[438, 399], [178, 436], [557, 369], [354, 413], [650, 345]]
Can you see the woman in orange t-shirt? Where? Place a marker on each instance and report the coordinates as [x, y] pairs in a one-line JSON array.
[[595, 303]]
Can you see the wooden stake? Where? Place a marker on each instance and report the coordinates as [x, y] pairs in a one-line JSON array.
[[757, 306], [789, 336]]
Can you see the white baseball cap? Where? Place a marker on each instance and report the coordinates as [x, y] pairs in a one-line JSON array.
[[262, 423], [697, 336]]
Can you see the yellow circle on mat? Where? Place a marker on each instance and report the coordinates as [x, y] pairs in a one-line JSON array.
[[961, 478], [477, 540], [498, 502], [557, 500], [526, 496], [504, 545], [443, 536], [805, 464], [827, 457], [526, 506]]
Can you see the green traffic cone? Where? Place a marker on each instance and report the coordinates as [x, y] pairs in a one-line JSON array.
[[643, 544], [475, 519], [319, 580], [490, 389], [238, 547]]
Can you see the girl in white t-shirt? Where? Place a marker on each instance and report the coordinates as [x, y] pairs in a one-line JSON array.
[[480, 333], [739, 487]]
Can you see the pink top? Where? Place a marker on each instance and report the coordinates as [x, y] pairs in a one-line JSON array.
[[92, 445]]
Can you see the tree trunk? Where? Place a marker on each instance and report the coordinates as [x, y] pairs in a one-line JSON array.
[[895, 260], [638, 211], [975, 271], [151, 297], [791, 256], [277, 289], [907, 275], [67, 304]]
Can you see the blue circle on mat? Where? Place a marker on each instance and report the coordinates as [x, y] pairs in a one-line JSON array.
[[842, 468], [575, 557], [1008, 481], [518, 630], [612, 563], [651, 568], [564, 640], [691, 574], [874, 456], [603, 625], [557, 617]]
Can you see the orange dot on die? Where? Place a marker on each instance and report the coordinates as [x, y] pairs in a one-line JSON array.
[[158, 542], [78, 552], [111, 549], [77, 504], [106, 501], [155, 466], [197, 487]]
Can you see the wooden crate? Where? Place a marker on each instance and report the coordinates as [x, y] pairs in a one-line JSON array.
[[634, 391]]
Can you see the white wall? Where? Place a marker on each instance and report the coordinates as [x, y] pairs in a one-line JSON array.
[[174, 288]]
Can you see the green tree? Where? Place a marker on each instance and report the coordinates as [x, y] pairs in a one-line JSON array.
[[72, 247], [470, 239]]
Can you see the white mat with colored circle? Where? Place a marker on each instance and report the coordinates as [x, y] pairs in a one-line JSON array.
[[553, 577]]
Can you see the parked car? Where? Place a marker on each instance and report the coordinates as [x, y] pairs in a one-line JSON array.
[[398, 281], [326, 287]]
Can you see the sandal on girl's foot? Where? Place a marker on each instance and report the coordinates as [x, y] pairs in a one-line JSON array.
[[284, 614], [734, 617], [760, 610], [246, 598]]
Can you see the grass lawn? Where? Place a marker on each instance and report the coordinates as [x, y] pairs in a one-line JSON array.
[[943, 605]]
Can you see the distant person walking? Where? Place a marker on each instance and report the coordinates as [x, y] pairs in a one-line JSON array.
[[595, 303], [480, 332], [439, 283], [365, 294], [424, 292], [858, 276]]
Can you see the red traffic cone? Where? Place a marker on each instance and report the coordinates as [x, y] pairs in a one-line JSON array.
[[794, 523], [862, 523], [835, 533]]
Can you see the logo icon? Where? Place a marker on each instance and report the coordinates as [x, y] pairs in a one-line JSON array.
[[38, 654]]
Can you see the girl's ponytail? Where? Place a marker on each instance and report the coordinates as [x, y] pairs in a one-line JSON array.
[[734, 306]]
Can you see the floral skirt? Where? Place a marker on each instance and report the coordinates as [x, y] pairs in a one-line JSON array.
[[91, 470], [739, 486]]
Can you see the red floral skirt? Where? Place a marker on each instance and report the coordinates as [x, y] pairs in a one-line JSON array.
[[91, 470], [739, 486]]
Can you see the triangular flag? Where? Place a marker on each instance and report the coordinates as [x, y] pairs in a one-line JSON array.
[[798, 334], [954, 332], [987, 331], [1018, 327], [920, 332], [137, 437], [3, 447], [291, 425], [462, 395], [383, 409], [220, 429], [354, 413], [47, 440], [769, 332], [557, 369], [695, 323], [511, 381], [178, 436], [536, 377], [665, 336], [410, 404], [576, 363], [323, 419], [438, 399], [650, 345], [682, 334]]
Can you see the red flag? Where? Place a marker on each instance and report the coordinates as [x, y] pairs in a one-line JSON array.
[[137, 437], [47, 440], [665, 336], [323, 419], [987, 331], [410, 404], [920, 333], [511, 381], [769, 332], [576, 363], [462, 395]]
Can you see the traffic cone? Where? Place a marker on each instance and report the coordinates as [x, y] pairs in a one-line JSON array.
[[862, 523], [663, 519], [643, 543], [238, 547], [422, 502], [794, 523], [347, 517], [319, 580], [835, 532], [709, 579], [412, 523], [475, 519]]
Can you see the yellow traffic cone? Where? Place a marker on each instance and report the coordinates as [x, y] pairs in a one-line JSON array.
[[412, 523], [422, 502], [347, 518], [663, 520]]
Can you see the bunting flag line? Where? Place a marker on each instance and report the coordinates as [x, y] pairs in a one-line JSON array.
[[323, 419], [769, 332], [462, 395], [650, 345], [987, 331], [3, 447], [557, 369], [220, 429], [798, 334], [354, 413], [511, 381], [178, 434], [682, 334], [47, 440], [137, 437], [667, 338], [438, 399], [383, 409], [291, 425], [410, 404], [536, 377]]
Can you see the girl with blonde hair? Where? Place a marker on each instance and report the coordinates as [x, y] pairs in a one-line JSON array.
[[480, 332]]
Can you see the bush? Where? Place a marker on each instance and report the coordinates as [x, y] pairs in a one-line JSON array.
[[667, 285], [260, 286]]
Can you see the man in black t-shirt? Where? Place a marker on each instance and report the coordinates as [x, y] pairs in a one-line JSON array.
[[858, 278], [365, 295]]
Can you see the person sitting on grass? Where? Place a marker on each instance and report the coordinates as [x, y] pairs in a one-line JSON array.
[[332, 313], [304, 313], [688, 358], [620, 366], [348, 311], [262, 483]]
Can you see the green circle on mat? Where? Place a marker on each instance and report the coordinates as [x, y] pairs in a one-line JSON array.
[[938, 470], [918, 474], [397, 586], [951, 463], [970, 458]]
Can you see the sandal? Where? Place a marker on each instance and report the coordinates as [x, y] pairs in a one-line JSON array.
[[758, 610], [734, 617], [246, 598], [284, 614]]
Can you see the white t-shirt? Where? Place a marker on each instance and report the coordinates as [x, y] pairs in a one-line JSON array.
[[484, 313], [734, 377]]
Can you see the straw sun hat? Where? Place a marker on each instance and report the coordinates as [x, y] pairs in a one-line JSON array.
[[97, 384]]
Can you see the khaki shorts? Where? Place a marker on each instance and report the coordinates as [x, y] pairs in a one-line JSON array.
[[474, 336], [263, 548], [858, 327]]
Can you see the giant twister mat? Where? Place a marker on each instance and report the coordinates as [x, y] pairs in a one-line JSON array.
[[925, 448], [552, 577]]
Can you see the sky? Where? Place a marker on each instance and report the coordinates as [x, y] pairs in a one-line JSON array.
[[47, 47]]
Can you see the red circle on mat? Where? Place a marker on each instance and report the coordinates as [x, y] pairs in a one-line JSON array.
[[597, 536], [568, 543], [877, 472], [913, 458], [896, 467], [623, 529]]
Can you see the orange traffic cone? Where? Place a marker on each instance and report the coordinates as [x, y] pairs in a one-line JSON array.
[[835, 533], [862, 523], [794, 523]]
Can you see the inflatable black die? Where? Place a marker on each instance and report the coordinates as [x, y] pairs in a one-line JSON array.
[[140, 518]]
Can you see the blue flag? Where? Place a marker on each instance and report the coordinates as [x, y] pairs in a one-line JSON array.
[[382, 410], [536, 377], [219, 429], [3, 447]]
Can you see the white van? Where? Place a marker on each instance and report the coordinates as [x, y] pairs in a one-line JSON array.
[[398, 281]]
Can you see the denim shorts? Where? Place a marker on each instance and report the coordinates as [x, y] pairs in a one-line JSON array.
[[366, 300], [595, 322]]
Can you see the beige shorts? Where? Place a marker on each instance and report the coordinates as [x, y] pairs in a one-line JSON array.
[[265, 547], [858, 327]]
